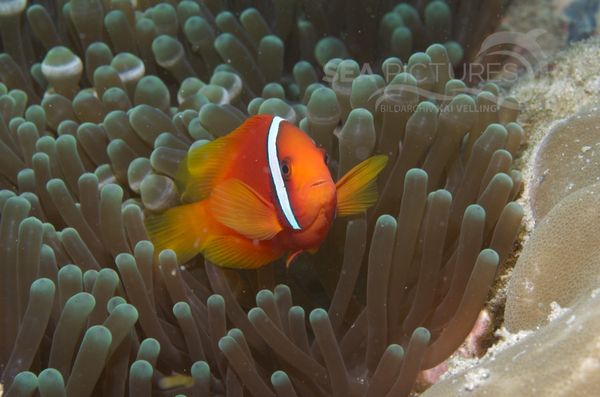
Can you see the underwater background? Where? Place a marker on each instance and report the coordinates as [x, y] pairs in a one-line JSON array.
[[476, 272]]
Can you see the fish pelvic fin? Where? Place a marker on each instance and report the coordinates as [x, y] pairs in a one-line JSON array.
[[181, 229], [357, 190], [238, 252], [291, 258]]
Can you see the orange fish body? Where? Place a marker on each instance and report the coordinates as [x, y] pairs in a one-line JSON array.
[[257, 194]]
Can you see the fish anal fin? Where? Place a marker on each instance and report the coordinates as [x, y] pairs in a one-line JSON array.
[[178, 228], [357, 190], [238, 253], [239, 207]]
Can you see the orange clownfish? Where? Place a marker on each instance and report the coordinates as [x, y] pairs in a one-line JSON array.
[[261, 192]]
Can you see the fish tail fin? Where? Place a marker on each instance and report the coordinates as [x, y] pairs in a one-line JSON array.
[[182, 229], [357, 191]]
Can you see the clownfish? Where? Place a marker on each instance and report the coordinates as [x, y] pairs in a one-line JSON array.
[[261, 192]]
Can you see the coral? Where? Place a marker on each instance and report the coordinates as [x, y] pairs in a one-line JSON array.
[[513, 368], [567, 86], [564, 162], [100, 101], [527, 16], [533, 286]]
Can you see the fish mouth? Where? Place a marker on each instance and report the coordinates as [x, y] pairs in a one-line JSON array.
[[319, 182]]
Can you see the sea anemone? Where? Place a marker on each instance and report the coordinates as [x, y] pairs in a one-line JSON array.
[[92, 136]]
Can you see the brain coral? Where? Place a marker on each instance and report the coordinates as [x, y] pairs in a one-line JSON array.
[[558, 359], [565, 161], [560, 262]]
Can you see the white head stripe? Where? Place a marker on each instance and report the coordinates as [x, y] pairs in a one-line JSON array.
[[280, 190]]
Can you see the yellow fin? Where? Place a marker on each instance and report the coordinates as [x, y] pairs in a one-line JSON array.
[[292, 257], [238, 253], [179, 229], [200, 168], [241, 208], [174, 381], [357, 190]]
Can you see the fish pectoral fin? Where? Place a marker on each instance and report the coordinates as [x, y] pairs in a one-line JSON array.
[[357, 190], [199, 170], [238, 253], [202, 167], [239, 207], [178, 229]]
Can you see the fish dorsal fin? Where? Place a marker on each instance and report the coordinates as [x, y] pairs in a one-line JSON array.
[[241, 208], [200, 168], [238, 252], [357, 190]]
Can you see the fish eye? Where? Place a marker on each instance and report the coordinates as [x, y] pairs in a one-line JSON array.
[[286, 168]]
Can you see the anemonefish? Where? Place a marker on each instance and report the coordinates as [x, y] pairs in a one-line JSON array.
[[259, 193]]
